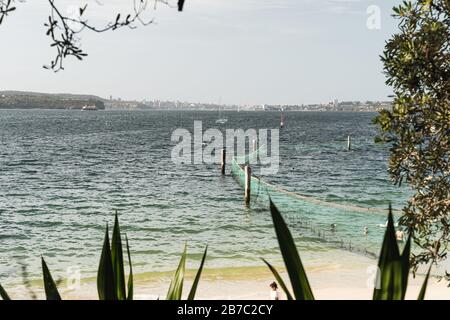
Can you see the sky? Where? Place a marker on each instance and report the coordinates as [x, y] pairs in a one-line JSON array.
[[228, 51]]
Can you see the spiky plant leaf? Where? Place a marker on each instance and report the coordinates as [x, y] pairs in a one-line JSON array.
[[3, 294], [105, 276], [405, 261], [117, 260], [294, 266], [51, 291], [197, 277], [391, 267], [423, 290], [176, 286], [280, 280], [130, 276]]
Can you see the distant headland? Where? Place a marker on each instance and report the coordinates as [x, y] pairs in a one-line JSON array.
[[36, 100]]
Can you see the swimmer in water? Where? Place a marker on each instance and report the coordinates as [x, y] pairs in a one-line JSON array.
[[400, 235], [333, 227]]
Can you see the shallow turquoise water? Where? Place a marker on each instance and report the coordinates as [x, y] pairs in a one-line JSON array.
[[63, 173]]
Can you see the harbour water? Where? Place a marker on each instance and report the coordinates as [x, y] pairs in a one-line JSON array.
[[64, 173]]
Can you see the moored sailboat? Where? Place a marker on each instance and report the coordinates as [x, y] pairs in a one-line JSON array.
[[221, 120]]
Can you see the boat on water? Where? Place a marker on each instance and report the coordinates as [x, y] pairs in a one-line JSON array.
[[89, 108], [221, 120], [282, 120]]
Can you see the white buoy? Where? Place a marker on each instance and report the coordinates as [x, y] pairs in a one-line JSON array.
[[254, 145], [349, 143]]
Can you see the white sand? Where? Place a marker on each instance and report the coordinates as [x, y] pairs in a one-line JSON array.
[[333, 281]]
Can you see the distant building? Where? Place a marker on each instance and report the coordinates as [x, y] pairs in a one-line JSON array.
[[335, 103]]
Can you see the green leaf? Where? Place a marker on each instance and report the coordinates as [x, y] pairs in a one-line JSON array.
[[117, 260], [3, 294], [197, 277], [423, 290], [176, 286], [294, 266], [105, 276], [130, 276], [280, 280], [405, 265], [51, 292], [391, 267]]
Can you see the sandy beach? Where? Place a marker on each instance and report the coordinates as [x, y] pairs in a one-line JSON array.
[[330, 281]]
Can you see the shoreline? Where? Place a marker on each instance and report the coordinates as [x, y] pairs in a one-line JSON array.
[[337, 281]]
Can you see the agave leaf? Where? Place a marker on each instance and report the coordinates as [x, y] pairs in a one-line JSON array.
[[51, 292], [294, 266], [280, 280], [391, 267], [423, 290], [130, 276], [176, 286], [391, 282], [197, 277], [3, 294], [105, 276], [117, 260], [405, 265]]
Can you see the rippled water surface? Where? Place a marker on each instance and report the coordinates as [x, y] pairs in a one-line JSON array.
[[63, 173]]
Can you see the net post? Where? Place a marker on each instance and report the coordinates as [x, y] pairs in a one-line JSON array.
[[223, 161], [248, 180]]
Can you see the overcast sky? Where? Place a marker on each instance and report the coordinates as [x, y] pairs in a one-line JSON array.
[[242, 51]]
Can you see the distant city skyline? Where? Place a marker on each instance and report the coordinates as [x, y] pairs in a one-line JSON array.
[[35, 100], [237, 52]]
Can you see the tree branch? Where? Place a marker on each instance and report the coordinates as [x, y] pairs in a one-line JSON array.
[[64, 30]]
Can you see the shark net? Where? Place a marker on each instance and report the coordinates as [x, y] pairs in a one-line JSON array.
[[355, 228]]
